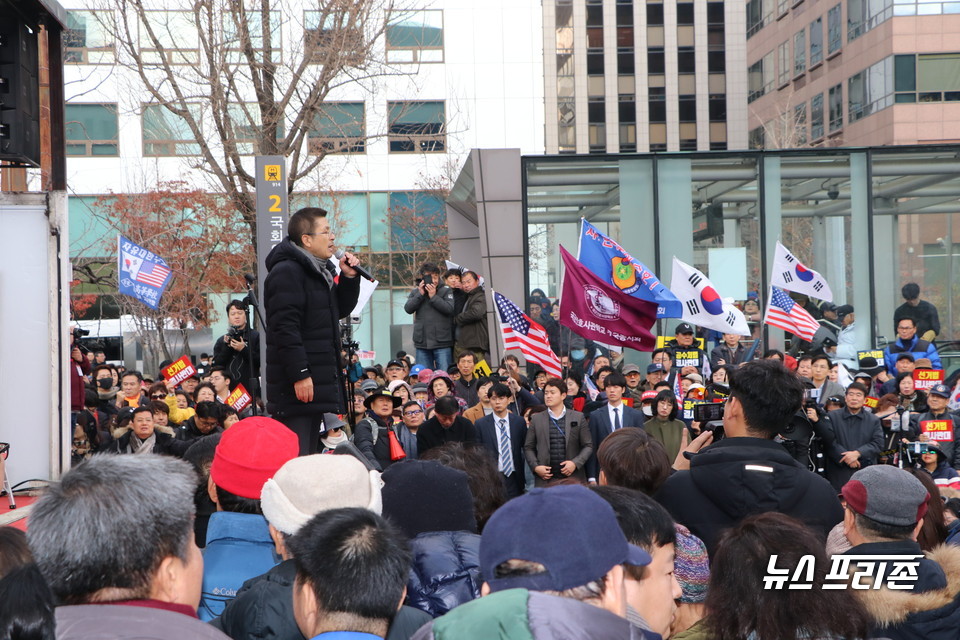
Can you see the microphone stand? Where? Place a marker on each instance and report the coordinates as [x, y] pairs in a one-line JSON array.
[[252, 379]]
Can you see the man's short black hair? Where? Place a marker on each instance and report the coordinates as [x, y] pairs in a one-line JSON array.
[[499, 390], [355, 562], [665, 350], [303, 222], [429, 267], [908, 319], [141, 409], [769, 393], [644, 522], [237, 304], [615, 379], [207, 409], [447, 406], [223, 371], [132, 372], [910, 291], [858, 386], [468, 353], [821, 356]]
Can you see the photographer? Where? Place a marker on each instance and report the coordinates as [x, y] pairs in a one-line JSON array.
[[431, 304], [746, 472], [79, 367], [234, 350]]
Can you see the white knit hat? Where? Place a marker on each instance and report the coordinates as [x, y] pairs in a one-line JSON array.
[[306, 486]]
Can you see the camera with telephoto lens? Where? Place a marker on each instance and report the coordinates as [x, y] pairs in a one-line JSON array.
[[235, 333], [911, 452]]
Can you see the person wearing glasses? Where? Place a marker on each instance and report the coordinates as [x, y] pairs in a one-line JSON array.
[[304, 300], [412, 417]]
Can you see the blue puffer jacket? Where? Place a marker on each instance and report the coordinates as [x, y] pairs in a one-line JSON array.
[[445, 571], [916, 347]]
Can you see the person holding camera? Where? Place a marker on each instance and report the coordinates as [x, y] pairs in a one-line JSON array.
[[235, 350], [746, 472], [79, 368], [431, 304]]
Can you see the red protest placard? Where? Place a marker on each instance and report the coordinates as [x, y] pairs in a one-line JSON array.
[[927, 378], [179, 371], [870, 402], [938, 430], [239, 399]]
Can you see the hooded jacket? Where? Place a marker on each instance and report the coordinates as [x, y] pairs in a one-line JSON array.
[[303, 312], [739, 477], [518, 613], [931, 611]]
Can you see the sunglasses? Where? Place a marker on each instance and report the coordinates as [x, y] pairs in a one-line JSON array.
[[158, 396]]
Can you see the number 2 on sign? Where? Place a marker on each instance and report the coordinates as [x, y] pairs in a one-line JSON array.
[[275, 207]]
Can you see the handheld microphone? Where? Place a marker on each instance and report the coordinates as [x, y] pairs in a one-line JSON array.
[[366, 274]]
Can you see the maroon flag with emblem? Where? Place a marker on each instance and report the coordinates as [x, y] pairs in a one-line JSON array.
[[596, 310]]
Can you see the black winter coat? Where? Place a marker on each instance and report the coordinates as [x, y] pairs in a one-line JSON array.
[[303, 332], [263, 609], [445, 571], [166, 443], [237, 363], [739, 477]]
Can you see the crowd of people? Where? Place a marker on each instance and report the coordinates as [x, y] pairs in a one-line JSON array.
[[449, 501]]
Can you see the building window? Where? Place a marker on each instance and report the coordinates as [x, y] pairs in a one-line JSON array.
[[685, 13], [169, 37], [816, 117], [92, 130], [654, 13], [864, 15], [234, 38], [836, 107], [870, 90], [167, 134], [686, 60], [339, 127], [415, 36], [834, 31], [816, 42], [328, 34], [627, 109], [759, 13], [566, 122], [85, 41], [755, 138], [417, 126], [930, 77], [716, 61], [717, 108], [784, 64], [658, 104], [248, 127], [760, 77], [800, 124], [656, 61], [799, 53], [596, 125], [688, 108]]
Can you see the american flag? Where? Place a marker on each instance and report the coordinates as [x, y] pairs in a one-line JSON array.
[[520, 332], [152, 274], [783, 312]]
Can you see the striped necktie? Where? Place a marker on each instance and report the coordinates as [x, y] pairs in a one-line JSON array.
[[506, 456]]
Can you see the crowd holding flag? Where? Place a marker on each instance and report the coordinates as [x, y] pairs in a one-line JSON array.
[[141, 273], [786, 314], [596, 310], [702, 305], [792, 275], [612, 264], [520, 332]]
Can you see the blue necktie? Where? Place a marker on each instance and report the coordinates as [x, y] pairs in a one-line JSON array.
[[616, 418], [506, 456]]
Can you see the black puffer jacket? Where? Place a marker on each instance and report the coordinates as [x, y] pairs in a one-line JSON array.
[[303, 332], [263, 609], [445, 572], [738, 477]]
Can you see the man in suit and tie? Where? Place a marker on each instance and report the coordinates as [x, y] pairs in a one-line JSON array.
[[503, 434], [558, 441], [610, 417]]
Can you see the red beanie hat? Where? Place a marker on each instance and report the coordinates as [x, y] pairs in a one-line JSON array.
[[250, 453]]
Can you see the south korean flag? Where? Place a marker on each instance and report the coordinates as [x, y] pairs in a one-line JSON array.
[[792, 275], [702, 305]]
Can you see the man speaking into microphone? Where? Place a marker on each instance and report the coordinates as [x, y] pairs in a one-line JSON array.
[[303, 308]]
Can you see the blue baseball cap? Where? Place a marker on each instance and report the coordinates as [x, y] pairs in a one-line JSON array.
[[941, 390], [653, 367], [415, 369], [569, 530]]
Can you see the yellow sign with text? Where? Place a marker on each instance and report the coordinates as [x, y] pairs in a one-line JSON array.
[[662, 342], [482, 370]]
